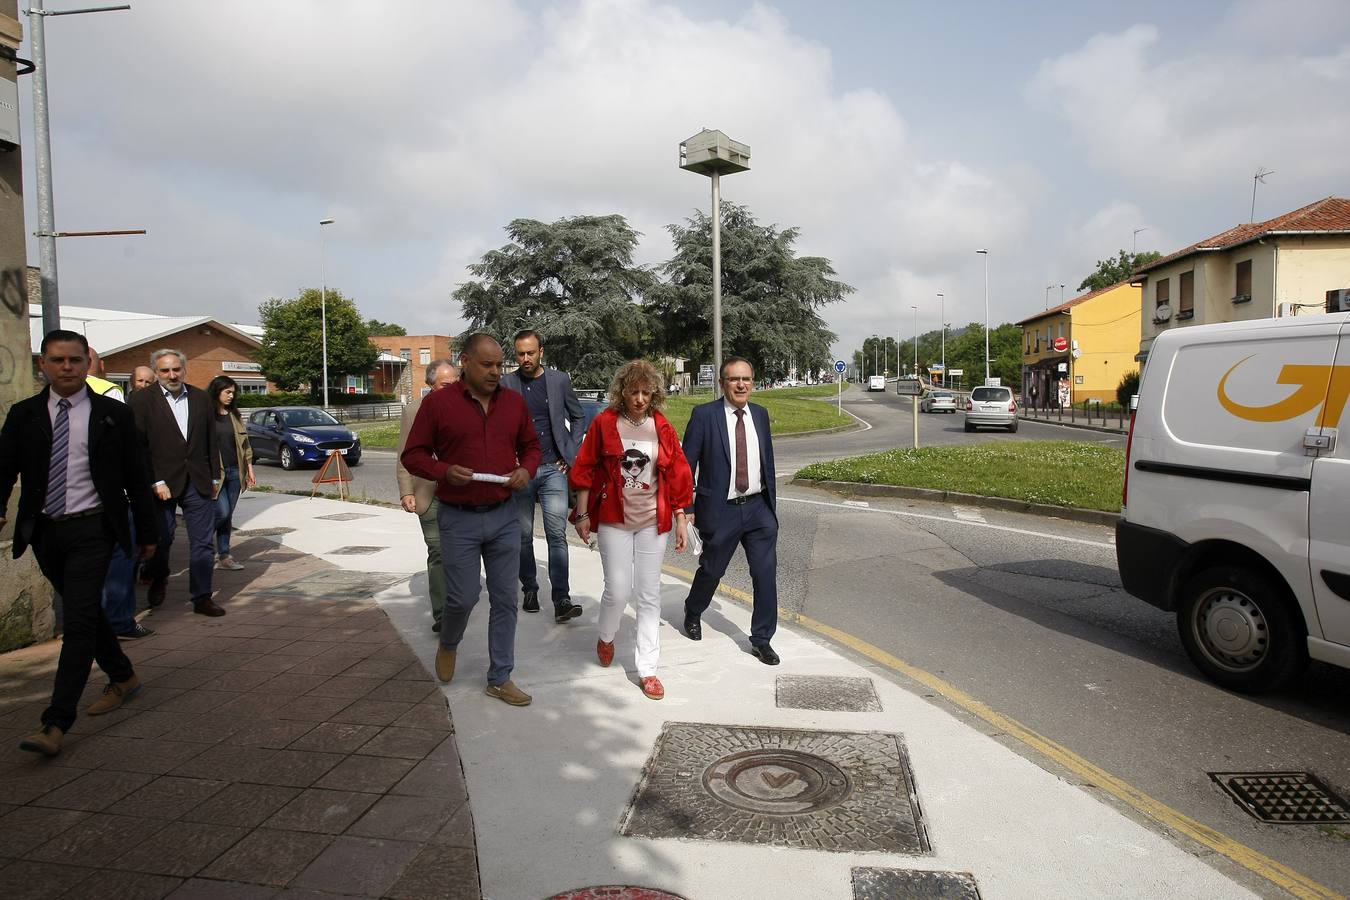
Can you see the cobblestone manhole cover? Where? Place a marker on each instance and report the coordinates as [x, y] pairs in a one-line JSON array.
[[336, 584], [1284, 798], [355, 550], [819, 790], [615, 892], [346, 517], [262, 532], [912, 884], [827, 692]]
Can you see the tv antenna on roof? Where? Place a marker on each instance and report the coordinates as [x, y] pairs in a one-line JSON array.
[[1261, 173]]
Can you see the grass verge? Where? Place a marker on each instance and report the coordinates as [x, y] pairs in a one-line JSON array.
[[1061, 473]]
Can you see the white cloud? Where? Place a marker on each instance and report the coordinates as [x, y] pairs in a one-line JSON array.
[[1187, 112]]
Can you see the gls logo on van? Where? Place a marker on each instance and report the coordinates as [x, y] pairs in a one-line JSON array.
[[1315, 385]]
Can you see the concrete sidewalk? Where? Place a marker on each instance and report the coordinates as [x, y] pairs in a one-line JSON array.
[[724, 789], [729, 787]]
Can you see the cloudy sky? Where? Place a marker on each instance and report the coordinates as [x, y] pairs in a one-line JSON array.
[[899, 136]]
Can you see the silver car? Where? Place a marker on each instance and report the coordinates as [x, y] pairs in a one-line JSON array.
[[938, 401], [991, 406]]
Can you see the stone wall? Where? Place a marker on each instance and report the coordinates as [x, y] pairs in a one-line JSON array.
[[26, 613]]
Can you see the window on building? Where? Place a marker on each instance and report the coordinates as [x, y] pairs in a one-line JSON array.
[[1243, 278], [1026, 341], [247, 386], [1338, 300], [424, 355], [1163, 292], [1186, 295], [405, 352]]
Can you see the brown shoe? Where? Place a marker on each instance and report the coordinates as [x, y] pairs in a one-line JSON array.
[[205, 606], [507, 692], [445, 664], [114, 695], [604, 651], [47, 741]]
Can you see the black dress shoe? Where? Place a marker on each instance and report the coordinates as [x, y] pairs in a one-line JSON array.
[[436, 624], [565, 610], [531, 603], [155, 595], [693, 627], [764, 653]]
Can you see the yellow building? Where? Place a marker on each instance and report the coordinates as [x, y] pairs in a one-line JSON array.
[[1294, 264], [1081, 349]]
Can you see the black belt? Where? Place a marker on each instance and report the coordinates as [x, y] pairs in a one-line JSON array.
[[82, 514], [744, 498], [468, 507]]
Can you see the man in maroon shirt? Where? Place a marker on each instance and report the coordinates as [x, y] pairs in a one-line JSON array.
[[477, 442]]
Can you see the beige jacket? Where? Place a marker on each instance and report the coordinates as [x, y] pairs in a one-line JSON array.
[[408, 483]]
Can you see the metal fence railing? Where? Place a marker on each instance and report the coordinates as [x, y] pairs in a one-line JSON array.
[[1098, 415], [366, 412]]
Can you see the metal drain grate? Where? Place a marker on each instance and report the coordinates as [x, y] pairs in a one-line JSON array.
[[912, 884], [263, 532], [818, 790], [837, 693], [355, 550], [1284, 798], [346, 517]]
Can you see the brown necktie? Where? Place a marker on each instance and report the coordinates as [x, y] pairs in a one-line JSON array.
[[742, 463]]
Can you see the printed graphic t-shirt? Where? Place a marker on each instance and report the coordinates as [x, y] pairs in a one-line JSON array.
[[637, 468]]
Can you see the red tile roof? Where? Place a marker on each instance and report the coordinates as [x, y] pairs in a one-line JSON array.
[[1328, 216], [1068, 304]]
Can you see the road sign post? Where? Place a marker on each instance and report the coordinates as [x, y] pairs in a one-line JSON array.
[[839, 367]]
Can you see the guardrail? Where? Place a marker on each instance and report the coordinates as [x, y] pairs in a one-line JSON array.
[[366, 412], [1094, 415]]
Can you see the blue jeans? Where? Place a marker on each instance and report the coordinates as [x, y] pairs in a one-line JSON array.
[[494, 538], [225, 503], [550, 487], [119, 587]]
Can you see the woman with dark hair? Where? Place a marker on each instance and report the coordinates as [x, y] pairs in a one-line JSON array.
[[632, 483], [236, 456]]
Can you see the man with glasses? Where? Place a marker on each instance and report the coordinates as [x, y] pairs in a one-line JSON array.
[[729, 448]]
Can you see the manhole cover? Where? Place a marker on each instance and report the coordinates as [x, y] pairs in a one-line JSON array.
[[838, 693], [615, 892], [262, 532], [1284, 798], [336, 584], [912, 884], [820, 790], [355, 550], [346, 517]]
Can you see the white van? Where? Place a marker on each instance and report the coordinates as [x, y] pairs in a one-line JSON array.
[[876, 382], [1236, 510]]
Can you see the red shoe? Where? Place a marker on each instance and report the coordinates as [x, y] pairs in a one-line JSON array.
[[651, 686], [605, 651]]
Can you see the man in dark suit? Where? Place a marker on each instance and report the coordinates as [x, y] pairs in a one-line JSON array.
[[174, 420], [558, 420], [81, 467], [728, 446]]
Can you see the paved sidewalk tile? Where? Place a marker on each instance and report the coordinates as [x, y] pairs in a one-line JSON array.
[[294, 747]]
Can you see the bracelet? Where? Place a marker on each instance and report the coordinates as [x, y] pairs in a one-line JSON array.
[[580, 517]]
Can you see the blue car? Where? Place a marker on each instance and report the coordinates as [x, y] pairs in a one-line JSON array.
[[296, 435]]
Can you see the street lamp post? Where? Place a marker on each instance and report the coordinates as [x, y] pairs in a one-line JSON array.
[[985, 254], [942, 313], [323, 307], [916, 341], [712, 153], [876, 347]]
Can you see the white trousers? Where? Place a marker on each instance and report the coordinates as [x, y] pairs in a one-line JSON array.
[[632, 564]]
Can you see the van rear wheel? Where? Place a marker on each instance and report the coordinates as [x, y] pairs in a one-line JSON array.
[[1240, 629]]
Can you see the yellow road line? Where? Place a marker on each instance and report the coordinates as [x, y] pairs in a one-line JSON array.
[[1258, 863]]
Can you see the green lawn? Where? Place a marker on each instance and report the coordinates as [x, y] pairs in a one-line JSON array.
[[1061, 473]]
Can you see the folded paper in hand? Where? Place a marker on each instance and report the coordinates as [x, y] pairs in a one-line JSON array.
[[487, 476]]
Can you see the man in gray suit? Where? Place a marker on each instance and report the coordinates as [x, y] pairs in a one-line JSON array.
[[419, 495], [558, 420]]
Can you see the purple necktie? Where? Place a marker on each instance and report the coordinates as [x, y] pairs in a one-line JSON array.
[[742, 461], [56, 474]]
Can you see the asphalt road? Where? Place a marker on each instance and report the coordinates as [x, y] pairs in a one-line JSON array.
[[1026, 615]]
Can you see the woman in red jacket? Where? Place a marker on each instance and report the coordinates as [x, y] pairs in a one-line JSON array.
[[632, 483]]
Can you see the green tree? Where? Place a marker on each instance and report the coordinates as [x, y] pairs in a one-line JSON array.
[[292, 345], [376, 328], [1128, 387], [574, 281], [965, 350], [1115, 270], [771, 297]]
